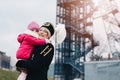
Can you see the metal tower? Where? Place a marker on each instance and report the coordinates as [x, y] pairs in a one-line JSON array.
[[110, 14], [70, 55]]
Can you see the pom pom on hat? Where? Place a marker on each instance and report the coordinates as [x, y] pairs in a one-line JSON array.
[[33, 26], [49, 27], [60, 32]]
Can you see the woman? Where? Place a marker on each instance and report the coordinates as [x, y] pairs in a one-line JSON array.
[[37, 66]]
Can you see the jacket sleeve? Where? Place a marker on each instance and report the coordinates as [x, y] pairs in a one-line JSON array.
[[35, 41], [20, 38], [38, 60], [29, 64]]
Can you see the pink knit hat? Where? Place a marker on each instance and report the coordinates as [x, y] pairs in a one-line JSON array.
[[33, 26]]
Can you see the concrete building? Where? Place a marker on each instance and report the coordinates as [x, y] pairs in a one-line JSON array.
[[4, 60]]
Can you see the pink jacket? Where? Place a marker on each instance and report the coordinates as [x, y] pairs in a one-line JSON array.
[[27, 44]]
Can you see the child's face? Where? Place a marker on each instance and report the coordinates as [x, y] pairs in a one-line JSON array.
[[34, 30], [43, 33]]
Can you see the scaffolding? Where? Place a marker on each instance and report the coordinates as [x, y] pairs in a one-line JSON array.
[[70, 55]]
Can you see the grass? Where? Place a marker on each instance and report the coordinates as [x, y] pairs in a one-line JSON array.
[[50, 78], [8, 75]]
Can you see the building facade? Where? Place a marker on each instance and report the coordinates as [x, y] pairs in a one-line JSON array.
[[4, 60]]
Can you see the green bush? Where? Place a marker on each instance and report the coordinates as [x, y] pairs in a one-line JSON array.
[[8, 75]]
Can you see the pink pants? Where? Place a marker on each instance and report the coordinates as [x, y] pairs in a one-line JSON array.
[[22, 76]]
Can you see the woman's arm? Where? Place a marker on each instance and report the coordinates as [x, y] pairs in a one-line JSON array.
[[42, 56]]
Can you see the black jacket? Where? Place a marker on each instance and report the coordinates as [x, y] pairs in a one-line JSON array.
[[37, 66]]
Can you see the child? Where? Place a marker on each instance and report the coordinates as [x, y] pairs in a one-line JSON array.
[[28, 41]]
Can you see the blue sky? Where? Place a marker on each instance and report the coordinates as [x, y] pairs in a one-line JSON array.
[[15, 15]]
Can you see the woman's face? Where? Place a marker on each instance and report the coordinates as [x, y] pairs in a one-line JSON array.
[[43, 32]]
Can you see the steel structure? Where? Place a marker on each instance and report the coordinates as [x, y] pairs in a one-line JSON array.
[[70, 55], [109, 12], [78, 16]]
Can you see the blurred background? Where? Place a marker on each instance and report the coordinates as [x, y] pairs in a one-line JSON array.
[[93, 32]]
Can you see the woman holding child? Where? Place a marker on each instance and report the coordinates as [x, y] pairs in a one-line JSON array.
[[38, 64]]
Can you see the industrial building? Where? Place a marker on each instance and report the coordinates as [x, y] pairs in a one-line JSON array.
[[78, 17], [4, 61]]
